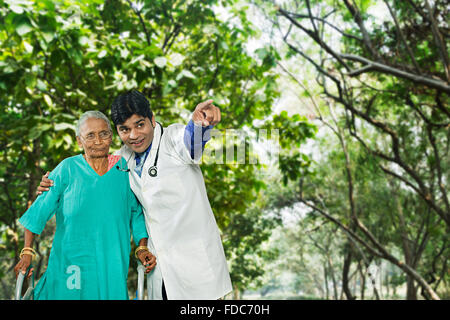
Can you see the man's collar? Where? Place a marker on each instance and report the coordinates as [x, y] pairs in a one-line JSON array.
[[145, 153]]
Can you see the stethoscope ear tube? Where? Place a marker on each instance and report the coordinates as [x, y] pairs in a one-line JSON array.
[[123, 170]]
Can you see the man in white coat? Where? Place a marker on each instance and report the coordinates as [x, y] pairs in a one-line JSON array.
[[165, 176]]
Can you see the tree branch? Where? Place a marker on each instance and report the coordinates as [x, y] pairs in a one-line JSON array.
[[357, 17], [439, 41], [300, 16], [379, 67], [169, 40], [402, 37], [383, 253], [315, 37], [141, 20]]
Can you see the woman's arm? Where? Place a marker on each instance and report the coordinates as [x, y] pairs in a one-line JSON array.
[[143, 242], [140, 235], [37, 215], [26, 255]]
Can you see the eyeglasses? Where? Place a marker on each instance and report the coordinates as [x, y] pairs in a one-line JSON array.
[[104, 135]]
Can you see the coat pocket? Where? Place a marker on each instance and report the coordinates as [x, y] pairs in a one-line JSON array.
[[168, 192], [191, 262]]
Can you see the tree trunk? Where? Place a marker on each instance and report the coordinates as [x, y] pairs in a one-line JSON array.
[[387, 286], [383, 253], [236, 293], [333, 277], [380, 277], [325, 275], [345, 273], [35, 174], [363, 281], [411, 289], [408, 252]]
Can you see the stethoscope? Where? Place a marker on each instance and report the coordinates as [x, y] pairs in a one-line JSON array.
[[153, 170]]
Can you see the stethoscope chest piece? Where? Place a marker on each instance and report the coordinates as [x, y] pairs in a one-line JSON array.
[[153, 171]]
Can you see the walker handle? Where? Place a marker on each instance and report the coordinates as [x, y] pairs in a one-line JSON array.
[[140, 290], [19, 284]]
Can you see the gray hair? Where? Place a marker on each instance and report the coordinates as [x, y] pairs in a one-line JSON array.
[[88, 115]]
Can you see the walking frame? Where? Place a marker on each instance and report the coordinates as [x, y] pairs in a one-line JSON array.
[[29, 294]]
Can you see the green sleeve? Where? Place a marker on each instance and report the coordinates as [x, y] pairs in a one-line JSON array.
[[46, 204], [138, 228]]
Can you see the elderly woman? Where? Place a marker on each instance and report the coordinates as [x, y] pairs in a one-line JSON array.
[[95, 210]]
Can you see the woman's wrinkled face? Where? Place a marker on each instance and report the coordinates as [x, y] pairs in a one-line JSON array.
[[95, 138]]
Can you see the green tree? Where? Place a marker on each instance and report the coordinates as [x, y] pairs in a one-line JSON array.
[[387, 81]]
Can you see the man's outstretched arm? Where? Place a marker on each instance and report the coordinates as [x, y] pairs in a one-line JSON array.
[[196, 134]]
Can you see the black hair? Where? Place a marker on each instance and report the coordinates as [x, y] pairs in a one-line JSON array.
[[129, 103]]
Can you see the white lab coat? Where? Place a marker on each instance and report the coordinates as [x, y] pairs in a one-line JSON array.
[[183, 234]]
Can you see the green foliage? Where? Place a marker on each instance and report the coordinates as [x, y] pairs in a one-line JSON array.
[[389, 165], [294, 132]]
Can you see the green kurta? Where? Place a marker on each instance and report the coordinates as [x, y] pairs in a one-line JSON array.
[[90, 254]]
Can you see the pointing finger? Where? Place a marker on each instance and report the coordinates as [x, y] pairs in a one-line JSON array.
[[204, 105]]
